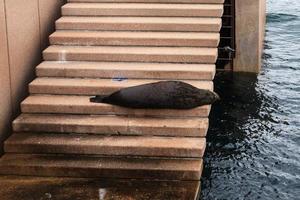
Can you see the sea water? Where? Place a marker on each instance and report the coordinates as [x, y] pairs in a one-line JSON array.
[[253, 147]]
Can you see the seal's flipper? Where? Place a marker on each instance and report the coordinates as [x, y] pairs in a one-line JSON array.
[[97, 99]]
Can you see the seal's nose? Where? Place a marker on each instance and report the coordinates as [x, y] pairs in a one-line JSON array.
[[216, 97]]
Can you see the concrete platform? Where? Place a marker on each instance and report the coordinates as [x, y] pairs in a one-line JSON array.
[[129, 70], [100, 167], [128, 38], [80, 86], [142, 9], [140, 24], [131, 54], [152, 1], [111, 125], [99, 47], [147, 146]]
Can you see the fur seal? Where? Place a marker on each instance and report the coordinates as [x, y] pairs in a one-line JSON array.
[[160, 95]]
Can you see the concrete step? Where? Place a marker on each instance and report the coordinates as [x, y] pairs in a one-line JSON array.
[[100, 167], [127, 38], [109, 70], [78, 86], [150, 1], [140, 24], [131, 54], [110, 45], [111, 125], [142, 9], [61, 104], [146, 146]]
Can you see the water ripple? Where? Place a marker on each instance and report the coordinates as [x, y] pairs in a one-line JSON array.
[[280, 18]]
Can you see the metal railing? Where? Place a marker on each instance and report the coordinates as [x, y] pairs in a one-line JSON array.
[[227, 43]]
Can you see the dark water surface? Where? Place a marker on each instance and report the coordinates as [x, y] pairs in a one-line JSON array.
[[253, 147]]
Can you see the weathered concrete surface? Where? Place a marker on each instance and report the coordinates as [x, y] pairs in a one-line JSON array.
[[132, 70], [185, 24], [183, 161], [111, 125], [142, 9], [127, 38], [5, 91], [49, 12], [24, 29], [24, 49], [131, 54], [250, 30], [147, 146], [38, 188], [67, 104], [56, 165], [79, 86], [152, 1]]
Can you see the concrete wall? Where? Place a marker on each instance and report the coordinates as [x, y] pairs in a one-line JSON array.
[[24, 29], [250, 31]]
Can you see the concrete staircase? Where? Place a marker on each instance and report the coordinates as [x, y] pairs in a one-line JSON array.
[[99, 47]]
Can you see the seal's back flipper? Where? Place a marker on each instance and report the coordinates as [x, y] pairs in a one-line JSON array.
[[97, 99]]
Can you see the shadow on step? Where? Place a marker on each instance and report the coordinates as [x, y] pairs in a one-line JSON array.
[[42, 188]]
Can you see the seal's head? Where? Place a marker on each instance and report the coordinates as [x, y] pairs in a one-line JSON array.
[[207, 97]]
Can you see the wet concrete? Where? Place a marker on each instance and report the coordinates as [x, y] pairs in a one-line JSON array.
[[45, 188]]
